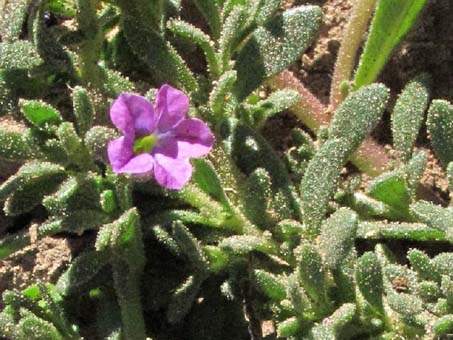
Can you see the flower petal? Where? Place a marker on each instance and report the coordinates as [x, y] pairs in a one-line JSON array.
[[131, 112], [140, 165], [194, 138], [167, 146], [120, 151], [172, 173], [171, 106]]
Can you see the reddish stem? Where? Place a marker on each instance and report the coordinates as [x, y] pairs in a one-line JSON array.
[[370, 158]]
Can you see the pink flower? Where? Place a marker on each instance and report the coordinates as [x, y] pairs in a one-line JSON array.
[[157, 139]]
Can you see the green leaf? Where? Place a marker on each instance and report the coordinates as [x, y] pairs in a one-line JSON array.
[[442, 264], [75, 193], [8, 100], [446, 287], [421, 263], [13, 242], [296, 294], [414, 172], [429, 291], [124, 237], [217, 258], [252, 151], [353, 120], [257, 198], [277, 102], [96, 140], [115, 82], [26, 189], [245, 244], [12, 18], [408, 115], [18, 55], [337, 236], [273, 47], [40, 114], [151, 48], [391, 189], [62, 7], [211, 14], [14, 147], [391, 22], [288, 328], [83, 109], [370, 281], [408, 306], [183, 298], [440, 129], [403, 231], [342, 317], [359, 114], [220, 97], [33, 328], [320, 181], [270, 285], [81, 271], [189, 245], [433, 215], [76, 222], [312, 274], [78, 154], [198, 37], [208, 180], [266, 10], [443, 327], [231, 35]]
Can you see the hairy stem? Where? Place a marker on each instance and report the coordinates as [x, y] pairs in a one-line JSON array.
[[91, 46], [371, 157], [127, 287], [352, 37]]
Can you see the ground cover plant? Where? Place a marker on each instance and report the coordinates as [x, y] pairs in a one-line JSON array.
[[139, 126]]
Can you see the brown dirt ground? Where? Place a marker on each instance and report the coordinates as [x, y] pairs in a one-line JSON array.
[[428, 48]]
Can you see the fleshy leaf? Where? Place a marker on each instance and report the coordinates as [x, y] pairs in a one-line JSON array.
[[274, 46], [83, 109], [337, 236], [353, 120], [18, 55], [408, 115], [270, 285], [370, 280], [440, 128]]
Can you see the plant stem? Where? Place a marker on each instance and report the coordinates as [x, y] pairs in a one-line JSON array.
[[352, 37], [127, 287], [309, 109], [90, 48], [370, 157]]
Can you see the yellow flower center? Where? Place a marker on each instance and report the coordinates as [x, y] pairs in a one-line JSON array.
[[145, 144]]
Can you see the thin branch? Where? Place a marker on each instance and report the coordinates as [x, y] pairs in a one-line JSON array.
[[353, 34], [370, 158]]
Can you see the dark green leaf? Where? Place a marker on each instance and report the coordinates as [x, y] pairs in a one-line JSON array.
[[274, 46], [408, 115], [337, 236], [370, 281], [18, 55], [440, 128]]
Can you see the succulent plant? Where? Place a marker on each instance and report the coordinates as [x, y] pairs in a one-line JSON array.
[[256, 234]]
